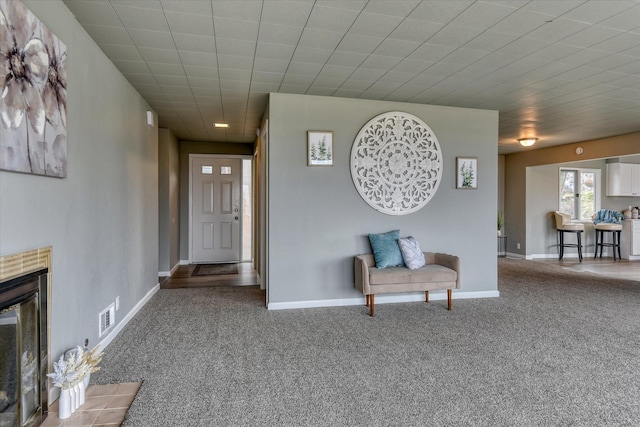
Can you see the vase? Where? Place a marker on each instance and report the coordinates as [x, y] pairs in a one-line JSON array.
[[86, 380], [74, 399], [499, 233], [64, 404], [81, 393]]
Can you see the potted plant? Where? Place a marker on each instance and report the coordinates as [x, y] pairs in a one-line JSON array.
[[71, 373], [68, 374], [91, 358]]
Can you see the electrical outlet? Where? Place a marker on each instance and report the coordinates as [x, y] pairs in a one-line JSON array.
[[117, 303], [518, 246]]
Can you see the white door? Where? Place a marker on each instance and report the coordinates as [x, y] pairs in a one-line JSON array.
[[215, 209]]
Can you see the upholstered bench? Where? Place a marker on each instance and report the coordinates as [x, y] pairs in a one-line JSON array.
[[442, 271]]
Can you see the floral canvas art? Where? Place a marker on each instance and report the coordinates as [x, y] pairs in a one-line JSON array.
[[33, 94]]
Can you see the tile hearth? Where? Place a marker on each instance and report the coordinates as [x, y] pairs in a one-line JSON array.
[[105, 405]]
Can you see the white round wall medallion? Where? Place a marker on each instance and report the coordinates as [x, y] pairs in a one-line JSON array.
[[396, 163], [579, 150]]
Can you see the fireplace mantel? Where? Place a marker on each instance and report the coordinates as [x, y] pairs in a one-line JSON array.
[[21, 264], [24, 262]]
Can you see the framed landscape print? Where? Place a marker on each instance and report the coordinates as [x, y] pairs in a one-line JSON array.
[[467, 173], [319, 148]]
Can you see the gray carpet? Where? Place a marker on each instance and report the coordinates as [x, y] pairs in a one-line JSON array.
[[558, 348]]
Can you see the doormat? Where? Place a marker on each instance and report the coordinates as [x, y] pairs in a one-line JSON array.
[[214, 269]]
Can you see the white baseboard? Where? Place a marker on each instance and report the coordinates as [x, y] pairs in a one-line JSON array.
[[169, 273], [380, 299], [570, 255], [185, 262], [119, 326], [514, 255], [548, 256], [54, 392]]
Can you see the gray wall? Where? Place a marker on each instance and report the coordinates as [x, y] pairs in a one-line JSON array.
[[186, 148], [542, 200], [102, 220], [501, 183], [168, 200], [318, 221], [515, 176]]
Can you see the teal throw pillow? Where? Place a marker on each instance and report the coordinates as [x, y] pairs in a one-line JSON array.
[[385, 249]]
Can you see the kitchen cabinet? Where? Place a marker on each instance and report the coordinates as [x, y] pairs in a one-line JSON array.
[[623, 179], [630, 239]]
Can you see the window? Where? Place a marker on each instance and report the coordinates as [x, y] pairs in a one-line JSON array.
[[579, 192]]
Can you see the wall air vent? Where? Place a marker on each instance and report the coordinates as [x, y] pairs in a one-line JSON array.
[[106, 319]]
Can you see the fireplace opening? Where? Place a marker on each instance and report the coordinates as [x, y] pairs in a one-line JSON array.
[[24, 357]]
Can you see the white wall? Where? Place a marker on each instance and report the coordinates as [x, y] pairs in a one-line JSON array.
[[102, 220], [318, 221]]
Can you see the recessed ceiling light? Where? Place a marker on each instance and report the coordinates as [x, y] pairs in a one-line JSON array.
[[221, 125]]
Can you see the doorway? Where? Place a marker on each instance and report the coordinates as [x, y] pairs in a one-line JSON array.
[[220, 208]]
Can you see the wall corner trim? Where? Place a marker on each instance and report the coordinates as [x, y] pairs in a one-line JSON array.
[[169, 273]]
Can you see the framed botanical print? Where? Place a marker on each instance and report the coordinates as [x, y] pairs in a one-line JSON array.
[[319, 148], [467, 173]]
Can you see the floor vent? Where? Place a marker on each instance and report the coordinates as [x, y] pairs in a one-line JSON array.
[[106, 319]]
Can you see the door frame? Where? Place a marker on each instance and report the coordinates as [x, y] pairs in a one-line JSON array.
[[214, 156]]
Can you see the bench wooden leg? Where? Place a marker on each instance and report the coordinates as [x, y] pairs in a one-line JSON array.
[[426, 296], [371, 299], [366, 300], [448, 299]]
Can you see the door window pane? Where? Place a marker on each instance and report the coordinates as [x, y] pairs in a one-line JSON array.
[[207, 170], [225, 170]]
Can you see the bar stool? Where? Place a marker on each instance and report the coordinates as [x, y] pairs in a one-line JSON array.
[[615, 230], [564, 225]]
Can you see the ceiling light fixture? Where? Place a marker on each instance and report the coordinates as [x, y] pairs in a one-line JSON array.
[[221, 125], [527, 142]]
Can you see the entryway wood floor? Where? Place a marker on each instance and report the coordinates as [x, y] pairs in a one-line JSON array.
[[182, 278]]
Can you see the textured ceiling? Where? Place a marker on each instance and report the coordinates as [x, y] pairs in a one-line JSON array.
[[562, 71]]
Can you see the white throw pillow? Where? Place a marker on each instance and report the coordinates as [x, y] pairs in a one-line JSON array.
[[411, 252]]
